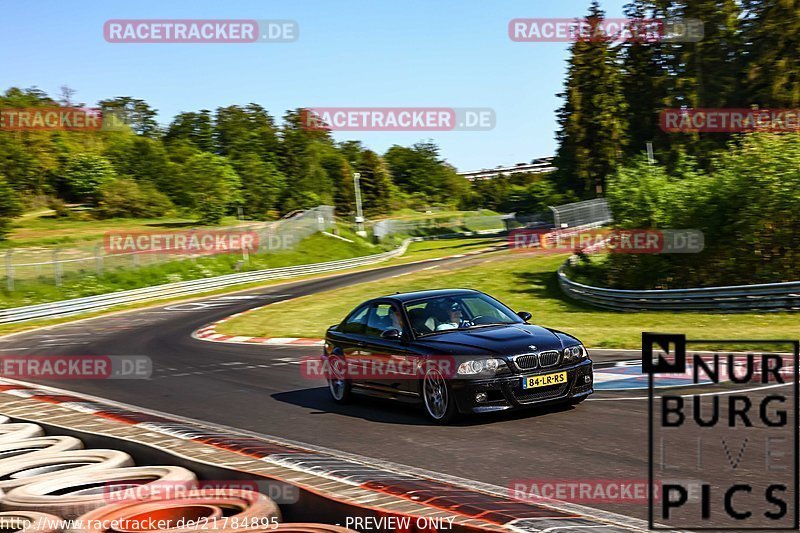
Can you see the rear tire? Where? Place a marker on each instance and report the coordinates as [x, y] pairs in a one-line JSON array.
[[437, 397], [338, 385]]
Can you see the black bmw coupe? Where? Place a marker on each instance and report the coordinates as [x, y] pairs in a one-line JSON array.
[[453, 351]]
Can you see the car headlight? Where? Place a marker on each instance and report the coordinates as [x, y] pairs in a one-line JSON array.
[[574, 354], [480, 366]]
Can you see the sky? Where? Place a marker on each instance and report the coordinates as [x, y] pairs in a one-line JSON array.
[[349, 53]]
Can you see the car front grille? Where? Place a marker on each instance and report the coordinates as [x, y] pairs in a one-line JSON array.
[[526, 362], [549, 358]]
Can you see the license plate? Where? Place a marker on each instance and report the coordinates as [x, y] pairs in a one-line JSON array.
[[531, 382]]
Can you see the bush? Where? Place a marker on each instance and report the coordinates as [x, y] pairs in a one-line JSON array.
[[85, 173], [59, 207], [746, 208], [125, 197], [9, 207]]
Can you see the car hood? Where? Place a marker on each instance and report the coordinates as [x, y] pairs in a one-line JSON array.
[[498, 340]]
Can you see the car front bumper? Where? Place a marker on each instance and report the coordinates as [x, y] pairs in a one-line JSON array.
[[506, 392]]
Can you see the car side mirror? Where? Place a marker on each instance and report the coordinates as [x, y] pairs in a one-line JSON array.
[[524, 315], [391, 333]]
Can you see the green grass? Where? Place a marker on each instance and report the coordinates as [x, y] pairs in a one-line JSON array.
[[524, 283], [410, 214], [416, 251], [41, 228], [77, 284]]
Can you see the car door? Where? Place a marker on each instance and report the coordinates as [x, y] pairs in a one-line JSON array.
[[348, 340], [393, 361]]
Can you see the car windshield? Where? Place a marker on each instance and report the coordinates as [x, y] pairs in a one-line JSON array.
[[463, 311]]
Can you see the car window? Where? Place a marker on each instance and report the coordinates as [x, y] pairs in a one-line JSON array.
[[356, 322], [469, 311], [479, 307], [380, 318]]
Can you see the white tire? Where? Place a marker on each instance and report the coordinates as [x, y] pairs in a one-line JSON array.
[[71, 495], [29, 522], [35, 467], [16, 432], [217, 509], [39, 445]]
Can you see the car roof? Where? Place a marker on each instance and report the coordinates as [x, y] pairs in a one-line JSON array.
[[418, 295]]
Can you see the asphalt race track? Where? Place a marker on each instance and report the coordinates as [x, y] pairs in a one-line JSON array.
[[260, 388]]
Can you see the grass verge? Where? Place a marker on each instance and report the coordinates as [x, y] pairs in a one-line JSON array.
[[524, 283], [417, 251]]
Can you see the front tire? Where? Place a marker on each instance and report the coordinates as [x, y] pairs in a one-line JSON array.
[[437, 395], [338, 385]]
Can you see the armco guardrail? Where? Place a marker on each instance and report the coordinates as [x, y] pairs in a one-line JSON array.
[[732, 299], [183, 288]]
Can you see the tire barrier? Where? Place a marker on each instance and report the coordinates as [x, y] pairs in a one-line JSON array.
[[16, 432], [71, 495], [194, 510], [35, 467], [45, 445], [28, 522]]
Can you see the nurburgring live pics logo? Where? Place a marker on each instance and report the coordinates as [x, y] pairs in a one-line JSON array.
[[734, 445]]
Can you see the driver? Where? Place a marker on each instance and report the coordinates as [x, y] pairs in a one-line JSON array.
[[454, 317]]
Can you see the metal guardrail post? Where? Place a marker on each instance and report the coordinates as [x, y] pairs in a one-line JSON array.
[[56, 268], [98, 260], [9, 271]]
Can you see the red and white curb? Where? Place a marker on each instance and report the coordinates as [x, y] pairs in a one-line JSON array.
[[209, 333]]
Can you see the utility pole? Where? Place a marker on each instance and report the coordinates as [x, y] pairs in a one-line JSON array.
[[359, 214]]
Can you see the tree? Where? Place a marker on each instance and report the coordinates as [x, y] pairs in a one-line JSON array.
[[9, 207], [84, 173], [591, 127], [193, 127], [419, 170], [301, 160], [646, 81], [376, 186], [262, 185], [142, 159], [211, 186], [772, 32], [125, 198], [134, 112], [239, 130]]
